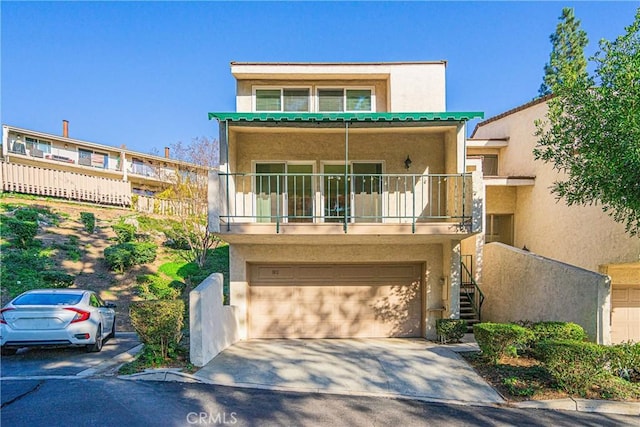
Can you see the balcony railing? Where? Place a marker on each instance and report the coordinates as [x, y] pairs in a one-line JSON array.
[[346, 198]]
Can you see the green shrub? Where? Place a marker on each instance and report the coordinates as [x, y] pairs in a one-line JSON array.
[[575, 365], [624, 360], [544, 331], [124, 255], [497, 340], [24, 231], [451, 330], [158, 323], [118, 258], [142, 252], [57, 279], [89, 221], [152, 286], [518, 387], [124, 232], [26, 214], [178, 238]]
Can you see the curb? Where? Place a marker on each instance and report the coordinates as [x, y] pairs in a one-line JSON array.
[[162, 374], [569, 404], [582, 405], [120, 359]]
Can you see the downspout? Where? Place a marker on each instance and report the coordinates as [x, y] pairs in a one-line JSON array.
[[347, 195]]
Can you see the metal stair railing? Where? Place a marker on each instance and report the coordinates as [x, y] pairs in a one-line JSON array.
[[471, 290]]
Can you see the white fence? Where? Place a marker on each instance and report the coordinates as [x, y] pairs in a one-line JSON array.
[[69, 185], [75, 186]]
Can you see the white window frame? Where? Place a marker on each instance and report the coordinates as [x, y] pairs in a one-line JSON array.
[[254, 101], [344, 98]]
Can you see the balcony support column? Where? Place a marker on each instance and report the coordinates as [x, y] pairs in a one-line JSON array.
[[451, 258], [347, 193]]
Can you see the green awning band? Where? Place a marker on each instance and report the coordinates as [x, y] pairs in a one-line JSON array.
[[347, 117]]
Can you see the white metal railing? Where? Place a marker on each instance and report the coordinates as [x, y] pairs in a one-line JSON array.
[[346, 198]]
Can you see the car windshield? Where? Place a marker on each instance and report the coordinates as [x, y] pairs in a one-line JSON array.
[[48, 299]]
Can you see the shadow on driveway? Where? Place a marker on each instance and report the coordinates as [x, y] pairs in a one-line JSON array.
[[387, 366]]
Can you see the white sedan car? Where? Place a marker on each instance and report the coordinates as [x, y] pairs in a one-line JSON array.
[[56, 317]]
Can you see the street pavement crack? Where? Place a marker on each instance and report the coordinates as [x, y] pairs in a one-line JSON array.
[[15, 399]]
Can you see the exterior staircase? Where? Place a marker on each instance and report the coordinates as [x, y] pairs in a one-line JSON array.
[[471, 296], [467, 312]]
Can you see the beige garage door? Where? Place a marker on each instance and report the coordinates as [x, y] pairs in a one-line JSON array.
[[625, 313], [334, 301]]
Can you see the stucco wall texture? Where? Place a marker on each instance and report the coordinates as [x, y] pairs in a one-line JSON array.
[[583, 236], [399, 87], [523, 286]]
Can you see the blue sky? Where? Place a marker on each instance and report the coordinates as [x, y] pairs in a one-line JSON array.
[[146, 74]]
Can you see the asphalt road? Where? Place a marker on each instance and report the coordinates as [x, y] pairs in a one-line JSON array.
[[116, 402], [69, 361]]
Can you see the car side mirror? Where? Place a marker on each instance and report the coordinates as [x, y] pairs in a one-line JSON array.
[[109, 305]]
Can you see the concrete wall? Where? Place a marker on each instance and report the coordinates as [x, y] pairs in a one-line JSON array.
[[584, 236], [212, 325], [432, 255], [520, 285]]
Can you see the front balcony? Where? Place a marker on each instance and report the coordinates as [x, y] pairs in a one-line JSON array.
[[258, 204]]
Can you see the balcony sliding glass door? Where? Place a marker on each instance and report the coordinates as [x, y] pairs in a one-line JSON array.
[[360, 199], [284, 192], [367, 192]]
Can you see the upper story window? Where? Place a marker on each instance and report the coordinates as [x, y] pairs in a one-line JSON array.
[[282, 99], [36, 147], [91, 158], [490, 164], [345, 99], [327, 100]]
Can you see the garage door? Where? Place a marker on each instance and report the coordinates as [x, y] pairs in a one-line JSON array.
[[334, 301], [625, 313]]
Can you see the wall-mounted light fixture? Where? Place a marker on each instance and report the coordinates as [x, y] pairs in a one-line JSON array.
[[407, 163]]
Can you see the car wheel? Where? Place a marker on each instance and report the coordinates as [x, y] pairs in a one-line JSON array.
[[97, 346], [9, 351]]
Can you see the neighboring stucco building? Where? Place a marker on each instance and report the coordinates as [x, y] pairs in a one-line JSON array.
[[522, 212], [343, 195]]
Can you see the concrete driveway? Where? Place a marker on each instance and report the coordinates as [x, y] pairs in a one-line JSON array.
[[395, 367]]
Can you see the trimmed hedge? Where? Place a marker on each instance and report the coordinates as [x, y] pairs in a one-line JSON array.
[[451, 330], [497, 340], [544, 331], [158, 323], [575, 365]]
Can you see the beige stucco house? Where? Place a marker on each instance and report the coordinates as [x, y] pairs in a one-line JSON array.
[[557, 276], [344, 196]]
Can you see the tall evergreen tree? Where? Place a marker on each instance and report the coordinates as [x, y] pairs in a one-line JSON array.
[[567, 61], [591, 134]]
